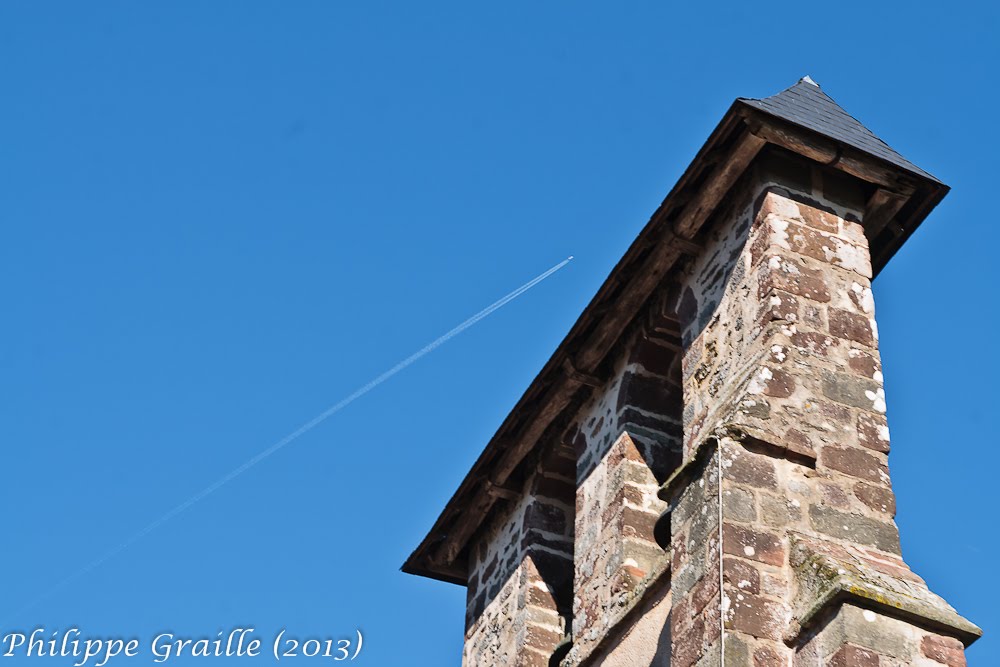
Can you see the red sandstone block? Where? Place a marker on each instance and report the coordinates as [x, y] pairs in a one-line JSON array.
[[834, 412], [751, 469], [873, 432], [741, 575], [854, 462], [886, 562], [755, 545], [542, 638], [862, 363], [810, 242], [636, 523], [877, 498], [624, 449], [786, 275], [688, 642], [713, 629], [946, 650], [766, 656], [779, 206], [832, 249], [780, 384], [850, 655], [778, 306], [627, 493], [757, 616], [536, 596], [812, 342], [851, 326], [818, 219], [835, 496], [681, 616], [799, 443]]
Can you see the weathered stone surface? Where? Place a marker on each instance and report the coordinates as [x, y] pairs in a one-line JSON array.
[[778, 512], [946, 650], [827, 573], [851, 326], [755, 545], [788, 275], [737, 651], [855, 462], [854, 528], [819, 219], [850, 655], [851, 390], [738, 504], [873, 432], [863, 363], [812, 342], [741, 575], [752, 470], [878, 498], [756, 616]]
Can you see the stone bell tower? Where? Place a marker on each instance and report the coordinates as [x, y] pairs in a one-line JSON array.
[[699, 475]]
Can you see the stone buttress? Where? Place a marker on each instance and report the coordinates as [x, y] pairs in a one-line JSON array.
[[787, 444]]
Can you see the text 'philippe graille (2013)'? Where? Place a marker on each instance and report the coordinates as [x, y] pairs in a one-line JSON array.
[[238, 642]]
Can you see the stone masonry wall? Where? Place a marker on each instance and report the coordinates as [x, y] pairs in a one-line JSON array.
[[578, 543], [520, 579], [627, 440], [765, 407], [783, 392]]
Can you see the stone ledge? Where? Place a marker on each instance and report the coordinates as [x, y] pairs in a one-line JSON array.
[[828, 574]]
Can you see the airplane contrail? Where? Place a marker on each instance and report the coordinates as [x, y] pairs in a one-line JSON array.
[[294, 435]]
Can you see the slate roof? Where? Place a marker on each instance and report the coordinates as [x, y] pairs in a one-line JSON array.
[[806, 105]]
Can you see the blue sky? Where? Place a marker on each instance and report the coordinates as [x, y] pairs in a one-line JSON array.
[[220, 218]]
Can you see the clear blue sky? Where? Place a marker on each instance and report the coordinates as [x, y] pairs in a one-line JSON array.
[[219, 218]]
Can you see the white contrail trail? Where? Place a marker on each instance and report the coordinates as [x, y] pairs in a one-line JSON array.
[[294, 435]]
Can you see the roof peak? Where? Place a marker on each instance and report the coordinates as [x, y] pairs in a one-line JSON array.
[[807, 105]]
